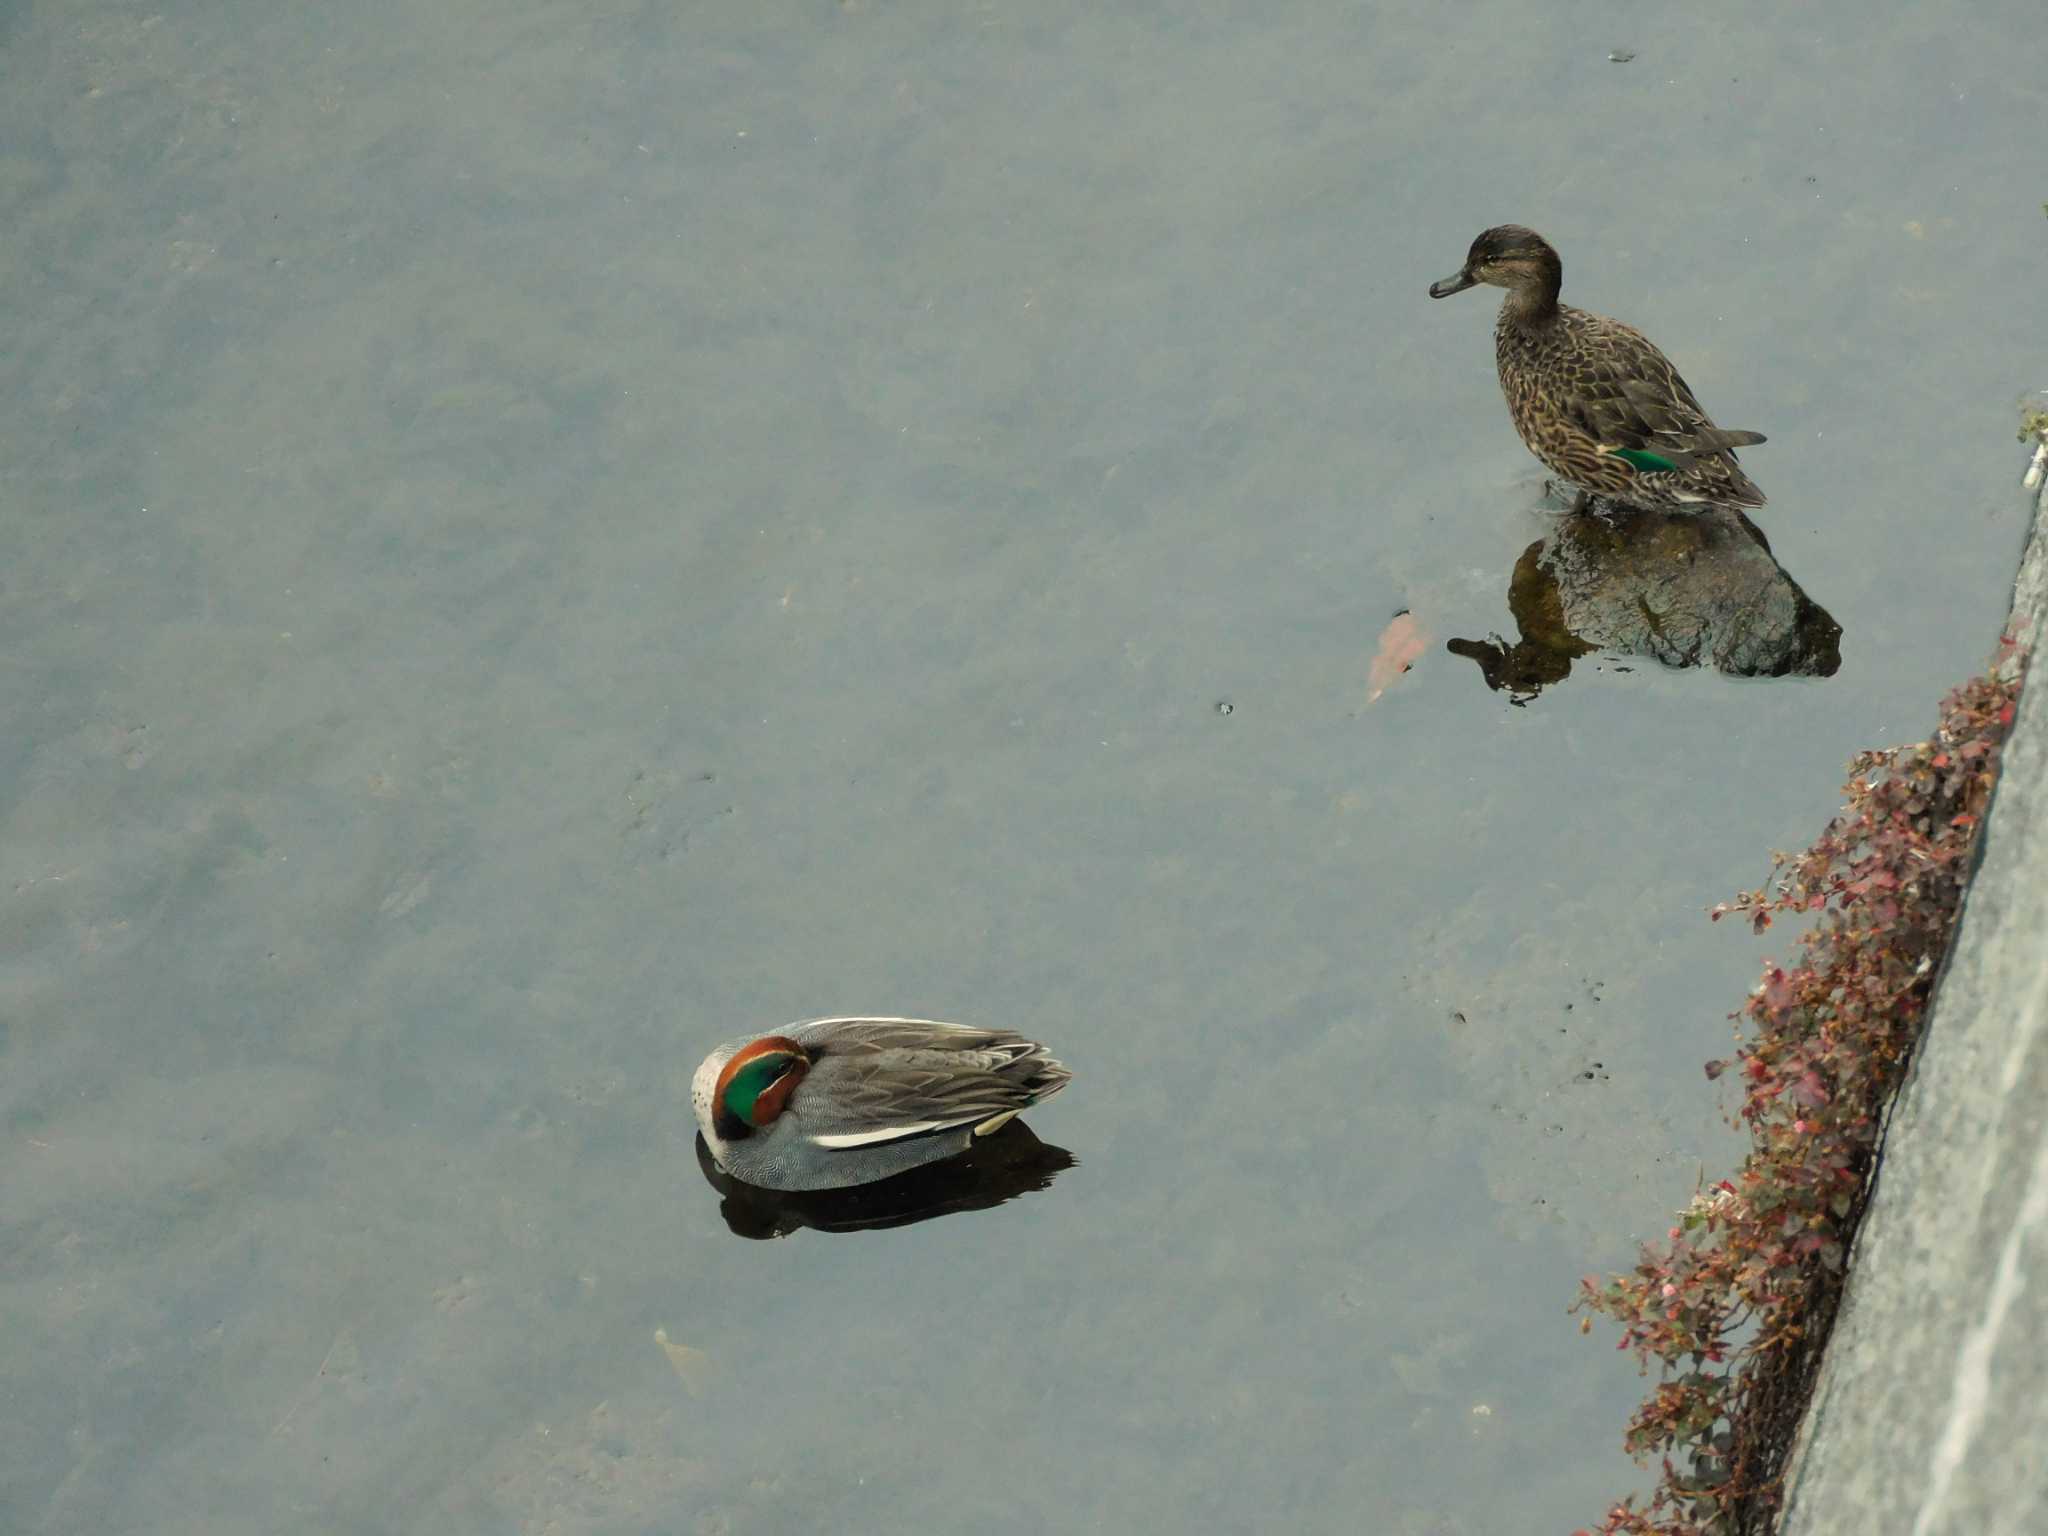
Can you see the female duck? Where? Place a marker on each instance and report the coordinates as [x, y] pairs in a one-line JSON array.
[[1594, 399], [833, 1102]]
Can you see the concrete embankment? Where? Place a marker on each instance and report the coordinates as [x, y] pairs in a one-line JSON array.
[[1931, 1412]]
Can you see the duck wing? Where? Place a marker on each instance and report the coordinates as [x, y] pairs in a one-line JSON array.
[[1626, 396], [881, 1080]]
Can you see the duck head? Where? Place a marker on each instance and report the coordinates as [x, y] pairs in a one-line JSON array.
[[754, 1085], [1507, 256]]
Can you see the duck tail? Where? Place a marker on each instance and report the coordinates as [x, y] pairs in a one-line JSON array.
[[1733, 488]]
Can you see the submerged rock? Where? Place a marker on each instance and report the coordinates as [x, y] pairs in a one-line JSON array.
[[1688, 589]]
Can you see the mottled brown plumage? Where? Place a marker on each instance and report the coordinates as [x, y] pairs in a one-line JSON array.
[[1594, 399]]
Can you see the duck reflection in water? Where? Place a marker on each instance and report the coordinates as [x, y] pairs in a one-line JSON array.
[[1688, 589], [999, 1167]]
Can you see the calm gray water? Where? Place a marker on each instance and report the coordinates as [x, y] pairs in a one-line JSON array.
[[535, 538]]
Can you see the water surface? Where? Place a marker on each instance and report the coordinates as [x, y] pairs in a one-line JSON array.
[[538, 537]]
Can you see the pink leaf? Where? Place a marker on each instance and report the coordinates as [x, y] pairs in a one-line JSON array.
[[1777, 988], [1401, 642], [1808, 1090]]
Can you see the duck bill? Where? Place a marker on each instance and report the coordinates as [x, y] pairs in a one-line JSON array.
[[1457, 282]]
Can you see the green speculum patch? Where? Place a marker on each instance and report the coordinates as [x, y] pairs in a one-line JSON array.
[[1643, 460]]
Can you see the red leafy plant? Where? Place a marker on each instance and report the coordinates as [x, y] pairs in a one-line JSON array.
[[1735, 1306]]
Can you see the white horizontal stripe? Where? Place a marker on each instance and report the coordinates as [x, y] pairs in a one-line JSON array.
[[869, 1138]]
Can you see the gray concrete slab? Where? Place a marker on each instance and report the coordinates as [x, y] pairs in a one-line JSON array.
[[1931, 1414]]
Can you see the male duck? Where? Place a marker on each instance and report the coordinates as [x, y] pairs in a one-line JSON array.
[[833, 1102], [1594, 399]]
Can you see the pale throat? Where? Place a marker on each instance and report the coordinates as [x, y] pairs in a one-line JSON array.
[[1530, 302]]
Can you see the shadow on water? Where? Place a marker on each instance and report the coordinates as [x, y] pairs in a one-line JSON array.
[[1688, 589], [1001, 1167]]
